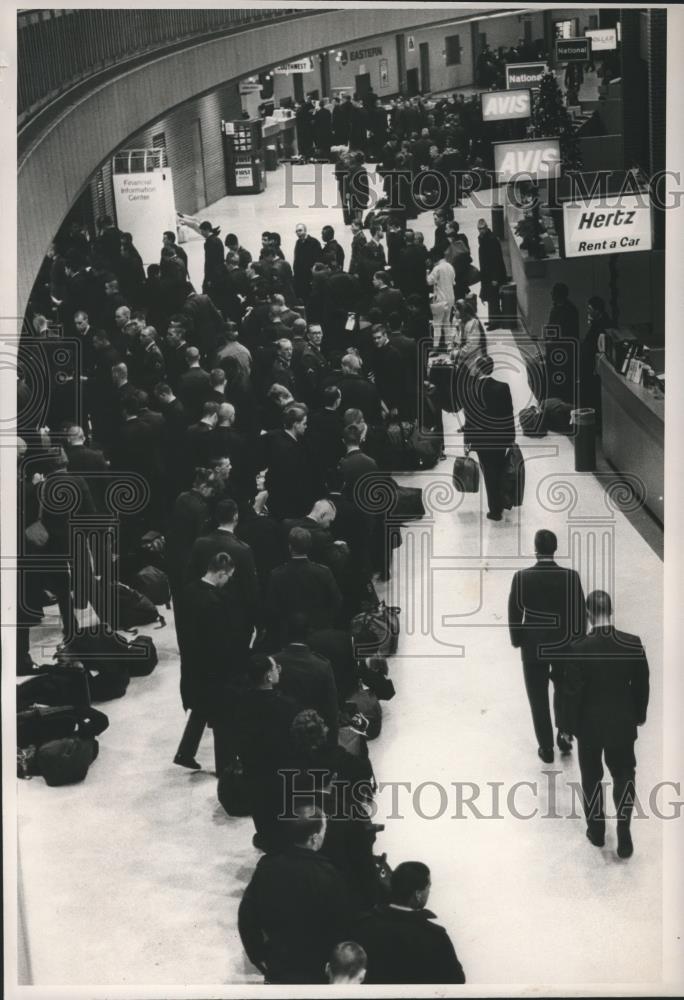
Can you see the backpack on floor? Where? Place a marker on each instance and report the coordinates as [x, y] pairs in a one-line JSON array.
[[532, 422], [134, 608], [56, 684], [557, 416], [143, 656], [39, 725], [376, 631], [66, 761], [153, 583]]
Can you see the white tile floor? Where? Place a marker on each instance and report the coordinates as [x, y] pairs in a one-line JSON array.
[[134, 877]]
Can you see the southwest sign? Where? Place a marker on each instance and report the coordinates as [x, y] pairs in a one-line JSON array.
[[573, 49], [612, 224], [502, 105], [300, 66], [535, 159], [521, 76]]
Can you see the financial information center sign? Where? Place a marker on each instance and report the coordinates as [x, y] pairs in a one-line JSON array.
[[613, 224]]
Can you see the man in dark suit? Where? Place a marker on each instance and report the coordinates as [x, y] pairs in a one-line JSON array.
[[489, 428], [307, 252], [387, 299], [194, 385], [175, 346], [198, 442], [292, 480], [138, 449], [242, 593], [297, 906], [324, 433], [388, 370], [189, 520], [492, 271], [357, 392], [307, 677], [402, 942], [545, 612], [206, 665], [606, 698], [227, 442], [301, 587]]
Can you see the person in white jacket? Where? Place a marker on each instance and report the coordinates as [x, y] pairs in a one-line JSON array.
[[441, 278]]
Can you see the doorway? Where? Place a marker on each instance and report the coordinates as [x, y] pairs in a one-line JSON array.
[[401, 63], [298, 83], [424, 53], [198, 164], [412, 82], [362, 85]]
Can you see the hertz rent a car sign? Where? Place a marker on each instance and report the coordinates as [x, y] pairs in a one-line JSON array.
[[612, 224], [503, 105]]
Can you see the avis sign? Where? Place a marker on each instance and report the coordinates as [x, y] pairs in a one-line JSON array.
[[535, 159], [503, 105], [612, 224]]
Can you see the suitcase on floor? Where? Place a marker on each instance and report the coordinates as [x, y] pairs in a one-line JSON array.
[[466, 474], [513, 479], [66, 761], [38, 725], [56, 684]]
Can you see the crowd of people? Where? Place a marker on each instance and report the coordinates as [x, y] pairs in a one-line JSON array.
[[260, 411]]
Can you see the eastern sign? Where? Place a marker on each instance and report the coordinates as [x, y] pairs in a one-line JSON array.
[[300, 66], [602, 39], [611, 224], [573, 50], [535, 159], [521, 76], [503, 105], [344, 57]]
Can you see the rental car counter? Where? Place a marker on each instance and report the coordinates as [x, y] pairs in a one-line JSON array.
[[633, 431]]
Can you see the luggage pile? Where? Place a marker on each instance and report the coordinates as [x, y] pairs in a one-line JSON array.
[[57, 725]]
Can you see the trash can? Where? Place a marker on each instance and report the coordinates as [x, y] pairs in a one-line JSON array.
[[509, 306], [584, 424], [271, 158]]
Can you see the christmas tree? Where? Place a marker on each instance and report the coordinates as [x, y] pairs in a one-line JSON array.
[[550, 118]]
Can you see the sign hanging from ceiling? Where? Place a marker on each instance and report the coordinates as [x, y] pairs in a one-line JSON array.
[[602, 39], [610, 224], [520, 76], [534, 159], [503, 105], [300, 66], [573, 49]]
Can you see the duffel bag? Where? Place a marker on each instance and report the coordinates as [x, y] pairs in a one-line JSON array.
[[143, 656], [376, 631], [134, 608], [557, 416], [233, 790], [153, 583], [398, 454], [366, 702], [56, 685], [106, 656], [409, 503], [65, 762], [532, 422], [374, 674], [39, 724], [427, 447], [466, 474], [513, 479]]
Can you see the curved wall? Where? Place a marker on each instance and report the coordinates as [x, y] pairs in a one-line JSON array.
[[57, 165]]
